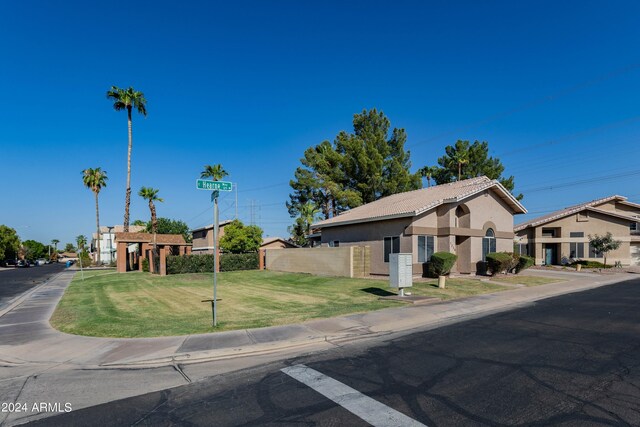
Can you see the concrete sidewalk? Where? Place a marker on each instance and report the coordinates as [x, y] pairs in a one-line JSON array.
[[28, 338]]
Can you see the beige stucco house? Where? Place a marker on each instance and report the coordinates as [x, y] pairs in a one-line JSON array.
[[563, 236], [203, 238], [469, 218]]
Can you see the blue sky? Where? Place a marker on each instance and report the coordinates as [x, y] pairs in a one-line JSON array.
[[552, 86]]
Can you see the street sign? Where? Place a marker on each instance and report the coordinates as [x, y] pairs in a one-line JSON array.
[[214, 195], [202, 184]]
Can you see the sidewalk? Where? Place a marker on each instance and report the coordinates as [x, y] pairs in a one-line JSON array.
[[27, 337]]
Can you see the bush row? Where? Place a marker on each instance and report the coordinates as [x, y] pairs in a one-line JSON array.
[[204, 263]]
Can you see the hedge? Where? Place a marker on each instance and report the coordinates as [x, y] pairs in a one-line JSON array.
[[501, 262], [590, 264], [204, 263], [441, 263], [524, 262]]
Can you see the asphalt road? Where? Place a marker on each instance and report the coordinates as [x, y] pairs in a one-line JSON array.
[[15, 281], [572, 361]]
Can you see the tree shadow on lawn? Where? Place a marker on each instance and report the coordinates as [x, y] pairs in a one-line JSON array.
[[378, 292]]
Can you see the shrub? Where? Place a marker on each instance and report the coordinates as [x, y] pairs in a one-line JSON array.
[[441, 263], [590, 264], [524, 262], [498, 262], [145, 265], [234, 262], [204, 263]]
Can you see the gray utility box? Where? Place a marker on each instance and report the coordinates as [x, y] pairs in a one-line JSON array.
[[400, 270]]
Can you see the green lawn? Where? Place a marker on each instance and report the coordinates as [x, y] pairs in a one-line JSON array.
[[143, 305], [526, 280]]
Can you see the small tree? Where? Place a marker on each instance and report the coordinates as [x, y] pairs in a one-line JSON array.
[[9, 242], [604, 244], [239, 238]]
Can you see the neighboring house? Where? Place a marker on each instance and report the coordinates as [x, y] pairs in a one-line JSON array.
[[203, 238], [563, 236], [108, 250], [276, 243], [469, 218]]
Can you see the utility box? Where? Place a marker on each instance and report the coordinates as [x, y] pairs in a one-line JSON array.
[[400, 270]]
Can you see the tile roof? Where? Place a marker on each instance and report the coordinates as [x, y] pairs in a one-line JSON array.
[[120, 228], [210, 226], [570, 211], [416, 202], [161, 239], [268, 240]]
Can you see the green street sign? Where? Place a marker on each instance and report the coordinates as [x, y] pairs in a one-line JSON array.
[[202, 184]]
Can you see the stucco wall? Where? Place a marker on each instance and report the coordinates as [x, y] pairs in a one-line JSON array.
[[344, 261]]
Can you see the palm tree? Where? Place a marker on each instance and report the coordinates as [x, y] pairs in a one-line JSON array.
[[459, 158], [428, 172], [55, 242], [215, 172], [128, 99], [95, 180], [151, 194], [81, 240], [309, 213]]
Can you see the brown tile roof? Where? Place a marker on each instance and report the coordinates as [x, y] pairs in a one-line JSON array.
[[268, 240], [210, 226], [573, 210], [161, 239], [412, 203], [120, 228]]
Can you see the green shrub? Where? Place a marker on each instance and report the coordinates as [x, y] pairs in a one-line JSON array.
[[524, 262], [145, 265], [204, 263], [441, 263], [498, 262], [590, 264], [234, 262]]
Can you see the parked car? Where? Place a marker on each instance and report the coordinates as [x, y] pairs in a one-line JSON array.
[[22, 263], [10, 262], [41, 261]]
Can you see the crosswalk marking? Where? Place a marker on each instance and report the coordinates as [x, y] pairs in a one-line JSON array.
[[370, 410]]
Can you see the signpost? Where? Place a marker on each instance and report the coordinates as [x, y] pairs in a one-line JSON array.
[[216, 187]]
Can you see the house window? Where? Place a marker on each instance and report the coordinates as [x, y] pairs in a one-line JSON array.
[[488, 243], [391, 246], [334, 243], [523, 248], [576, 250], [425, 248], [593, 253], [548, 232], [576, 234], [633, 226]]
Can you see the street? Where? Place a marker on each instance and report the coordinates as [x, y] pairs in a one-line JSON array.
[[15, 281], [570, 360]]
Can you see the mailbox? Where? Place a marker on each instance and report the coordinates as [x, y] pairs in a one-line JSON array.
[[400, 270]]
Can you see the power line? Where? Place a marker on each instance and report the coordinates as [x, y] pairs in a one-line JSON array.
[[535, 102], [581, 181]]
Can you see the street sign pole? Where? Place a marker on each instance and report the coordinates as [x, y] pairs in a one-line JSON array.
[[214, 195], [216, 187]]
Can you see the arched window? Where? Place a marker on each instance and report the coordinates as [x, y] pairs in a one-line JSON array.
[[488, 243]]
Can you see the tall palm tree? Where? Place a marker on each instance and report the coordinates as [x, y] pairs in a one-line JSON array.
[[309, 213], [428, 172], [458, 159], [215, 172], [81, 240], [95, 180], [128, 99], [55, 242], [151, 194]]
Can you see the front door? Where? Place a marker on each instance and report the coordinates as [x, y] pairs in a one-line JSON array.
[[549, 255]]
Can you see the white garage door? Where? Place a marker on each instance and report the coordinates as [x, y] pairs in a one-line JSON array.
[[635, 253]]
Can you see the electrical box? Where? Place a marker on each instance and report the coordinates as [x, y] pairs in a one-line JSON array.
[[400, 270]]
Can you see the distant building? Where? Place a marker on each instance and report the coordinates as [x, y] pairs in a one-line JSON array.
[[277, 243], [108, 251], [203, 238]]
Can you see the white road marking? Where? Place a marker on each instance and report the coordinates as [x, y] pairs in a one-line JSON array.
[[370, 410]]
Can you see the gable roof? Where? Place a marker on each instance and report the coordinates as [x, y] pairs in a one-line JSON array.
[[416, 202], [591, 206], [161, 239], [268, 240], [210, 226]]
